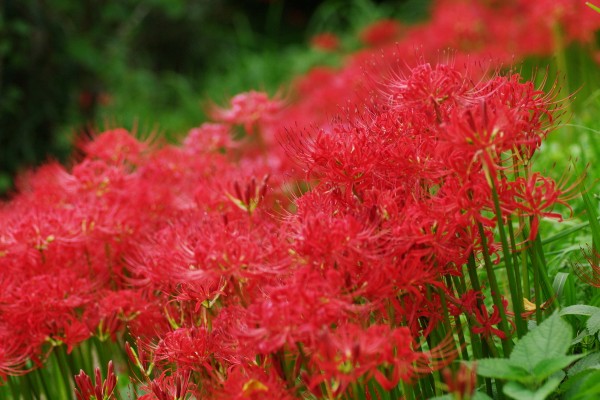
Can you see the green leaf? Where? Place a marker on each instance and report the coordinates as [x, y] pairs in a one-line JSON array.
[[551, 339], [584, 386], [592, 216], [518, 391], [480, 396], [502, 368], [580, 336], [593, 323], [476, 396], [566, 232], [579, 309], [564, 288], [590, 361], [547, 367]]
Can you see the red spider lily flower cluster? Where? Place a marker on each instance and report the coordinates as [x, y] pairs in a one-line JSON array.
[[230, 287], [306, 256]]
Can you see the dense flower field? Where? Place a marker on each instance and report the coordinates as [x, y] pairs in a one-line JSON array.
[[374, 233]]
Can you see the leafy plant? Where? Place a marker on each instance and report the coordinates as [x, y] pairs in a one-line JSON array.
[[535, 367]]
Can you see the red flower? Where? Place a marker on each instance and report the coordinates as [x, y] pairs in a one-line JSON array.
[[253, 383], [248, 109], [487, 322], [101, 390], [381, 32], [460, 383], [535, 197], [351, 352], [589, 271], [115, 147], [325, 41], [187, 348], [169, 387]]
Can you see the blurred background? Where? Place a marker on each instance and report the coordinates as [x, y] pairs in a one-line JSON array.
[[69, 68]]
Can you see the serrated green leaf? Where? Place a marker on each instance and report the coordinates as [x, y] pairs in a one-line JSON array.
[[476, 396], [590, 361], [547, 367], [579, 309], [580, 336], [518, 391], [593, 323], [481, 396], [551, 339], [502, 368], [585, 386]]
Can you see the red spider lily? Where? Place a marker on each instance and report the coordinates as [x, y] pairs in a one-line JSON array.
[[208, 138], [589, 270], [381, 32], [14, 354], [170, 387], [187, 348], [352, 352], [248, 109], [251, 382], [46, 308], [577, 20], [426, 362], [101, 390], [143, 358], [326, 41], [470, 301], [462, 382], [320, 236], [252, 195], [535, 197], [437, 89], [477, 132], [486, 322], [115, 147], [294, 311]]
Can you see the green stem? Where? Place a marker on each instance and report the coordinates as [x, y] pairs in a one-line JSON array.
[[14, 389], [537, 291], [358, 391], [515, 294], [28, 387], [84, 353], [547, 288], [67, 371], [541, 280], [525, 277], [63, 384], [516, 258], [472, 270], [103, 355], [489, 388], [408, 391], [459, 328], [495, 290]]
